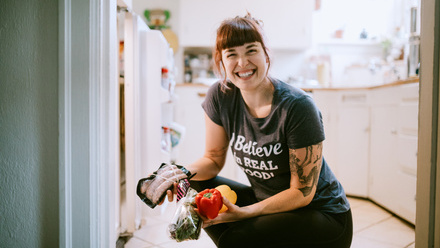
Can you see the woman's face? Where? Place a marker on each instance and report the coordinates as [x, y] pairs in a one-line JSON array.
[[246, 66]]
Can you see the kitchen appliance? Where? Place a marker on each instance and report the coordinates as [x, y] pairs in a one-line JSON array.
[[414, 46]]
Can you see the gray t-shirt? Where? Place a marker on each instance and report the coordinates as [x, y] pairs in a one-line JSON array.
[[260, 146]]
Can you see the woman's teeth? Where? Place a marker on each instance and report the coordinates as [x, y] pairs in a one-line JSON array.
[[245, 74]]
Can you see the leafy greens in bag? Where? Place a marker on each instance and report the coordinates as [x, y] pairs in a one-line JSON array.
[[186, 224]]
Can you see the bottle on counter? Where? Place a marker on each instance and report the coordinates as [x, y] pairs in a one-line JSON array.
[[413, 59]]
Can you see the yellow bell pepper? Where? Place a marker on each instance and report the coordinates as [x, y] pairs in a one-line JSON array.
[[227, 192]]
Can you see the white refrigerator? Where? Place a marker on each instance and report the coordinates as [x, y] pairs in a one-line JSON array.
[[146, 53]]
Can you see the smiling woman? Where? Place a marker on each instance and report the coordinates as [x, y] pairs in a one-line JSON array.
[[275, 133]]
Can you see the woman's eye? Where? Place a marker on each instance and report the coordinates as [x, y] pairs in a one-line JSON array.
[[230, 55], [252, 51]]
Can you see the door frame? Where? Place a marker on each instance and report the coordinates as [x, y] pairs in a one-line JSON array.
[[89, 123], [428, 162]]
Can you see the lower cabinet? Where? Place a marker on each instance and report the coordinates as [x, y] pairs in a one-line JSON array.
[[383, 154], [188, 112], [393, 165], [346, 148], [371, 143]]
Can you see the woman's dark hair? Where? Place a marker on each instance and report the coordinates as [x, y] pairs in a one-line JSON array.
[[236, 32]]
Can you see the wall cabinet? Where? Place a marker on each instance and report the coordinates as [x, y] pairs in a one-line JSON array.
[[287, 23], [371, 143]]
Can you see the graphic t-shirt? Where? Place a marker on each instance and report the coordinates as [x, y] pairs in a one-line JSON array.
[[260, 146]]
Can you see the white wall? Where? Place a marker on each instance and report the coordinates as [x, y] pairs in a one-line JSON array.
[[29, 124]]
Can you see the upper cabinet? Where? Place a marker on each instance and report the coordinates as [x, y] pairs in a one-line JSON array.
[[125, 3], [287, 23]]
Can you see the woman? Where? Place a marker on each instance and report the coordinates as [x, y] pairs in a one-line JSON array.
[[275, 132]]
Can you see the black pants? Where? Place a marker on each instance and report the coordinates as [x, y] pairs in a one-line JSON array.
[[304, 227]]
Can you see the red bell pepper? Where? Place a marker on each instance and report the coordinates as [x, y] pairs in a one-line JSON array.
[[209, 202]]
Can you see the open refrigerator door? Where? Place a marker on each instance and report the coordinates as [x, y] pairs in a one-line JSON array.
[[145, 54]]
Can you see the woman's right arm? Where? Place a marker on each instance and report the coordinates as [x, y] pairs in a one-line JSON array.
[[216, 147]]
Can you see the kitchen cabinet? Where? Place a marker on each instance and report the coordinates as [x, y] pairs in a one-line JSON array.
[[190, 114], [393, 168], [346, 148], [287, 23], [371, 143], [383, 155], [125, 4]]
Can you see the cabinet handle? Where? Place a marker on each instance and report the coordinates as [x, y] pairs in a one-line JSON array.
[[393, 131], [200, 94], [355, 98]]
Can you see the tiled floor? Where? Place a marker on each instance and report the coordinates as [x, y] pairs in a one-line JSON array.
[[373, 228]]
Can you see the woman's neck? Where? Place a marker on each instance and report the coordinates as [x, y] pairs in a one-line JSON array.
[[259, 101]]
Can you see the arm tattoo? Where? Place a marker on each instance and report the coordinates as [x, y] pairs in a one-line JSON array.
[[311, 162]]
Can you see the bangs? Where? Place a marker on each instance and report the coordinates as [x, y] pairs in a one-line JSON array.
[[237, 33]]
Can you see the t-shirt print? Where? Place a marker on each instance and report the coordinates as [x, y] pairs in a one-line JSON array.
[[256, 161]]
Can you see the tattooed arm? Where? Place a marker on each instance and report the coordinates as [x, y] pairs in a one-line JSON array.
[[305, 166]]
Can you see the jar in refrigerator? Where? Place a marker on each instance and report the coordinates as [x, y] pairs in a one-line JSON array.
[[165, 78], [166, 140]]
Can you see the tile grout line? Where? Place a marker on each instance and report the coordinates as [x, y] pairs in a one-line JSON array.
[[410, 244], [143, 240], [376, 223], [373, 224]]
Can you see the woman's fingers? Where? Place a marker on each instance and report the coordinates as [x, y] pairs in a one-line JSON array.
[[206, 222], [175, 189], [170, 195]]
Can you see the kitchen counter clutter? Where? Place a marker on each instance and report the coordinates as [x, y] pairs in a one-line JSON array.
[[371, 142]]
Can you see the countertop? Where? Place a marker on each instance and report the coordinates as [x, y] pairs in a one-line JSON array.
[[311, 89], [394, 83]]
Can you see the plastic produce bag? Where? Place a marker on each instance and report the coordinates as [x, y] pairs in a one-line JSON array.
[[186, 224]]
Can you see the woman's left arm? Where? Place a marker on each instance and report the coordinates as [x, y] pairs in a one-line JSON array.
[[305, 167]]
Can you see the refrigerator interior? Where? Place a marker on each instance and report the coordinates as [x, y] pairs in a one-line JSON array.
[[143, 94]]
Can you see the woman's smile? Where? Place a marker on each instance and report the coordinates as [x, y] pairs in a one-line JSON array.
[[245, 74]]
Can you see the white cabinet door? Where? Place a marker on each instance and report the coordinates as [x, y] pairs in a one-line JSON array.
[[200, 19], [326, 103], [287, 23], [383, 156], [353, 149], [393, 150], [346, 121], [190, 114], [407, 128]]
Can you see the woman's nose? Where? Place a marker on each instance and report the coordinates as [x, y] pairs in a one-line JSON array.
[[243, 61]]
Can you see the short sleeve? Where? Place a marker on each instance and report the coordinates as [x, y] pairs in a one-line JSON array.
[[305, 125], [211, 104]]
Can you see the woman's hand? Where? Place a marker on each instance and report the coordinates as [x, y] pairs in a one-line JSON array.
[[170, 194], [234, 213]]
